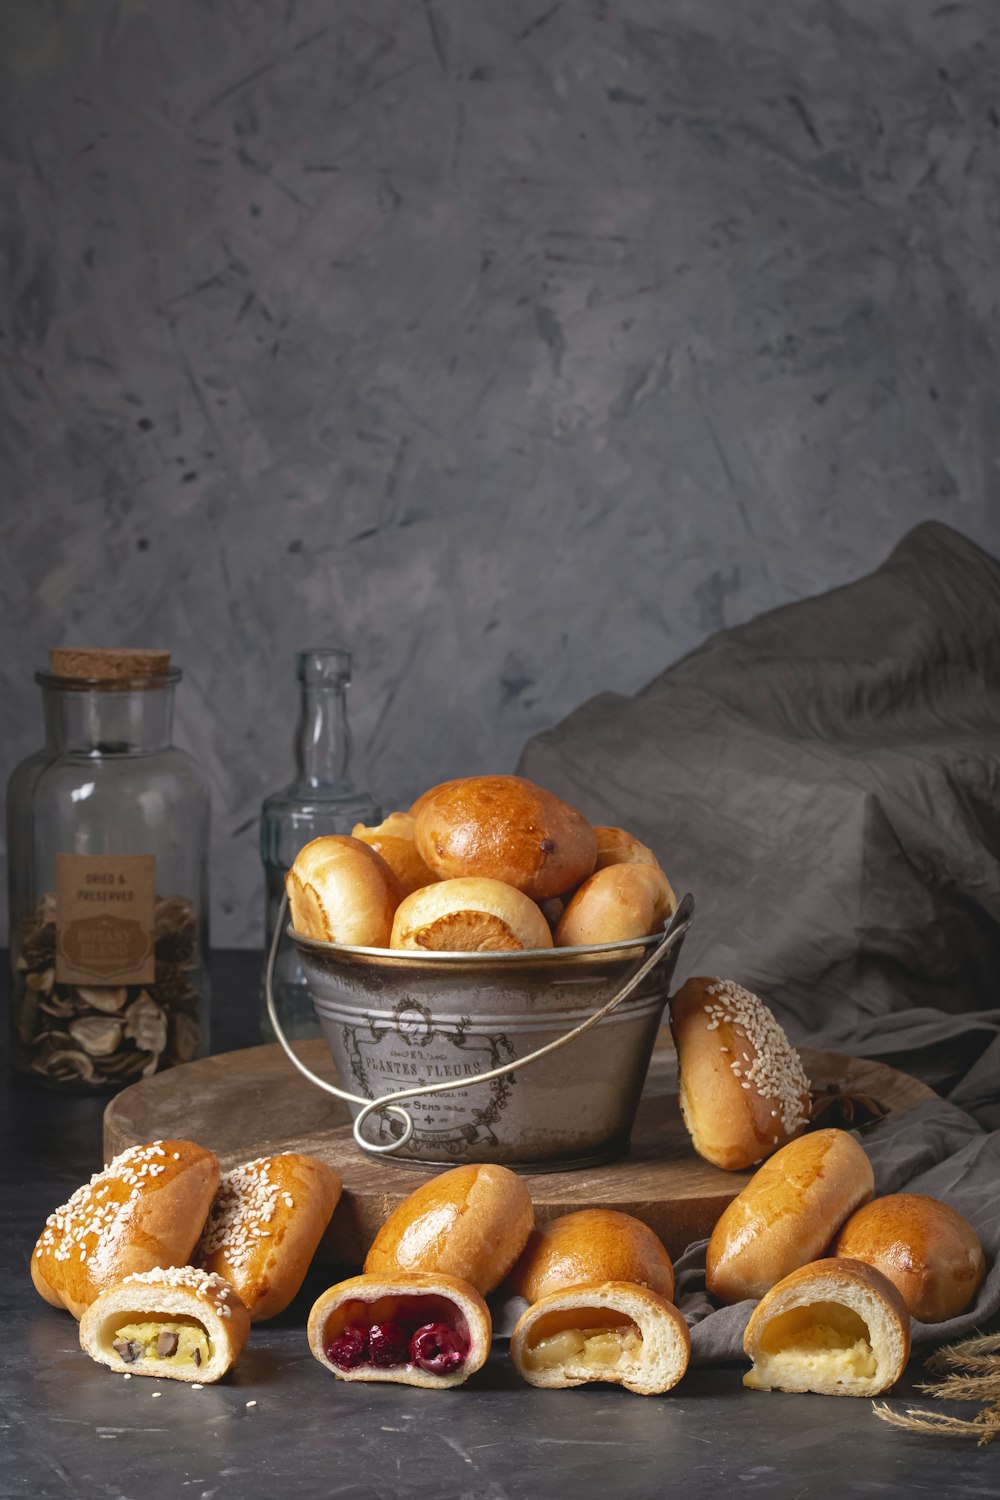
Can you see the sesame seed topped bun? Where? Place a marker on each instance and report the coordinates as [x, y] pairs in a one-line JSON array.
[[743, 1091], [144, 1211], [267, 1219]]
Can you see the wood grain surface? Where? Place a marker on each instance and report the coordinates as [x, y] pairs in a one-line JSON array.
[[252, 1103]]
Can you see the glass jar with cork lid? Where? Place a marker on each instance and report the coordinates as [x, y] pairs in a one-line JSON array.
[[108, 829]]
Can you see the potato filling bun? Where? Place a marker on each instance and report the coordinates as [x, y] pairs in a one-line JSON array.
[[504, 828], [835, 1327], [176, 1323], [393, 839], [613, 1331], [787, 1214], [615, 904], [927, 1250], [267, 1219], [413, 1328], [743, 1091], [341, 891], [592, 1245], [471, 1222], [469, 916], [146, 1209]]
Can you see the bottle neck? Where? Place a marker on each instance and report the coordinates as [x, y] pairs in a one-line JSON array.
[[322, 737], [96, 721]]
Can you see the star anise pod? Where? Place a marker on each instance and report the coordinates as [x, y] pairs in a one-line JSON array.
[[838, 1104]]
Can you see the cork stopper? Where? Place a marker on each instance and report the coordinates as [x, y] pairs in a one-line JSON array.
[[96, 664]]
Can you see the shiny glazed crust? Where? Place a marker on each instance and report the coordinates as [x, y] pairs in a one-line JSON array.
[[341, 891], [469, 916], [617, 847], [505, 828], [591, 1246], [266, 1221], [145, 1210], [929, 1252], [169, 1292], [393, 839], [471, 1222], [743, 1092], [787, 1214], [368, 1288], [666, 1343], [851, 1284], [615, 904]]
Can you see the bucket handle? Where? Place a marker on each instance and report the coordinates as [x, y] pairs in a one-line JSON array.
[[674, 931]]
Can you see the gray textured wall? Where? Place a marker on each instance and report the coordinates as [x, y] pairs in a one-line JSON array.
[[518, 345]]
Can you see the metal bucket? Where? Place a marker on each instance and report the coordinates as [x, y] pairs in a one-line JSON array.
[[563, 1037]]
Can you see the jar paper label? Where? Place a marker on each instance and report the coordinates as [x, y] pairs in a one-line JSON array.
[[104, 918]]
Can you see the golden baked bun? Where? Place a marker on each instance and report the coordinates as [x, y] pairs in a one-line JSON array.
[[615, 904], [614, 1332], [787, 1214], [616, 847], [836, 1327], [469, 916], [393, 839], [591, 1246], [341, 891], [929, 1252], [505, 828], [176, 1323], [267, 1219], [145, 1210], [471, 1222], [413, 1328], [743, 1091]]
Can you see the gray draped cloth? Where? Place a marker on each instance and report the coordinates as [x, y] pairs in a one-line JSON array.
[[826, 781]]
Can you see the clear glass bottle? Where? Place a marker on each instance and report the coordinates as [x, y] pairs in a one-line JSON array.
[[108, 830], [321, 799]]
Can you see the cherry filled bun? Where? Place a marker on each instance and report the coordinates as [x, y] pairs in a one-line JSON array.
[[505, 828]]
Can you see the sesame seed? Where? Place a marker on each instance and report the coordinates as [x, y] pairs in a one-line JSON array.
[[774, 1067], [251, 1403], [244, 1206], [156, 1393], [197, 1386], [126, 1377]]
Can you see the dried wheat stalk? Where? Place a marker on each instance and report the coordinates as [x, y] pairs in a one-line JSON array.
[[978, 1362]]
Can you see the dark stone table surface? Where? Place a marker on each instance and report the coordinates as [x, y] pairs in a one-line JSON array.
[[281, 1426]]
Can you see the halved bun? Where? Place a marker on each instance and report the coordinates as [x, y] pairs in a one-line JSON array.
[[131, 1326], [341, 891], [743, 1091], [266, 1221], [146, 1209], [590, 1246], [401, 1306], [615, 904], [469, 916], [393, 839], [836, 1327], [787, 1214], [929, 1252], [505, 828], [471, 1222], [613, 1332]]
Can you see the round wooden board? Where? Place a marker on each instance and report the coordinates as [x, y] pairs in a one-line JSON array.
[[253, 1103]]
